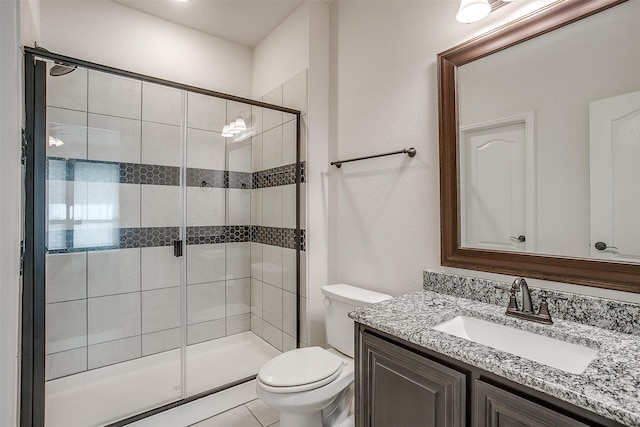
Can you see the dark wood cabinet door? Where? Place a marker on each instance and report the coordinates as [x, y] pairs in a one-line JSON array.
[[499, 408], [400, 388]]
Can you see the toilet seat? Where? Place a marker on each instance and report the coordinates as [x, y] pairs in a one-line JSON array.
[[300, 370]]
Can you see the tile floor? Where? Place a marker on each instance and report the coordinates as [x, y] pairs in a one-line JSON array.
[[251, 414]]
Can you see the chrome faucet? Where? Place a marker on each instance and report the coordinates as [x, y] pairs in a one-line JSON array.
[[521, 284], [527, 312]]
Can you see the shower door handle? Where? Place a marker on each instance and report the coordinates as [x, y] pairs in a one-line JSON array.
[[177, 248]]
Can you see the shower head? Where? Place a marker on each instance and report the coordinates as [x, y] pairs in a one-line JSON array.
[[60, 69]]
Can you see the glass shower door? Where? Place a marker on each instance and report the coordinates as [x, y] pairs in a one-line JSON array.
[[113, 284], [171, 243], [220, 347]]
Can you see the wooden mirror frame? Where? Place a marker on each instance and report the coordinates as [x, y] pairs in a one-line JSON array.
[[596, 273]]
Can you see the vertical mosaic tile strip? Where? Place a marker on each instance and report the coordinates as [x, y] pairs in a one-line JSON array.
[[303, 240], [303, 167], [603, 313]]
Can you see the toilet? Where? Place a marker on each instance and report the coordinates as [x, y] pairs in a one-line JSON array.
[[312, 386]]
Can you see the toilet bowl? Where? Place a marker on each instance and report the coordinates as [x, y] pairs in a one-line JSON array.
[[312, 387]]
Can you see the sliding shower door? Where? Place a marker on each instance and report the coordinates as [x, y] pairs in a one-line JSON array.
[[220, 256], [113, 285], [172, 243]]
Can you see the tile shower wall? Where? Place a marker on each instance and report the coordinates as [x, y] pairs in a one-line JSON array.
[[114, 197], [115, 208], [218, 211], [273, 218]]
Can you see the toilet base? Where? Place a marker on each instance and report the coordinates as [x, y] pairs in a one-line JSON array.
[[310, 419]]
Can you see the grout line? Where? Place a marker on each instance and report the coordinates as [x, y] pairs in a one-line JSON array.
[[252, 414]]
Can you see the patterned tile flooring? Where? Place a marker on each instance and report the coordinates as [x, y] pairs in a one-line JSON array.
[[251, 414]]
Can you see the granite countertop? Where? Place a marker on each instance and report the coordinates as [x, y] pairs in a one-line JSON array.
[[610, 386]]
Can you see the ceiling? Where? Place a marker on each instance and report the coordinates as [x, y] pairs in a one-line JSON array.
[[246, 22]]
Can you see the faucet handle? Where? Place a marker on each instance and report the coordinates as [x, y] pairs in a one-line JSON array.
[[513, 304], [543, 311]]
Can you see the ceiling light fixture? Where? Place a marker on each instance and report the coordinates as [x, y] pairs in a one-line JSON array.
[[235, 127], [55, 142], [226, 132], [472, 10], [240, 125]]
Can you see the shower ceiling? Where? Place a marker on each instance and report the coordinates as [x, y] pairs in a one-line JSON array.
[[246, 22]]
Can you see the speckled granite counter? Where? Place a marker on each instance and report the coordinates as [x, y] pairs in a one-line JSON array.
[[610, 386]]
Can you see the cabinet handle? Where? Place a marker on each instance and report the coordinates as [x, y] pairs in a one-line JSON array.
[[601, 246], [521, 238]]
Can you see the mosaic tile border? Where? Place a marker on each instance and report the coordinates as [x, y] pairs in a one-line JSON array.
[[282, 175], [113, 172], [130, 173], [134, 173], [603, 313], [218, 179], [203, 235], [205, 178], [127, 238], [130, 238], [282, 237]]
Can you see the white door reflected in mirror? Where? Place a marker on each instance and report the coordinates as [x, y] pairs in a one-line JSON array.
[[497, 184], [615, 174]]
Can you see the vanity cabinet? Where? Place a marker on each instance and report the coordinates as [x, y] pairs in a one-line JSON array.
[[401, 388], [399, 384], [500, 408]]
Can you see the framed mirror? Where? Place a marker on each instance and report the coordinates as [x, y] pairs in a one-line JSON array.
[[535, 118]]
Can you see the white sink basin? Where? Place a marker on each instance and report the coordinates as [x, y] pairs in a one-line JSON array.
[[572, 358]]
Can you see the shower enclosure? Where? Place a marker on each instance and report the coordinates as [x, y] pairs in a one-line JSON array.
[[162, 241]]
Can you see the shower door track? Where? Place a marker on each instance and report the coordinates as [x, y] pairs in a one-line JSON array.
[[32, 369]]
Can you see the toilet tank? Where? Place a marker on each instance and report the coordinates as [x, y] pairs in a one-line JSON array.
[[339, 301]]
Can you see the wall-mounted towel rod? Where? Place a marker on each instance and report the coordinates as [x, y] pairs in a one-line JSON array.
[[408, 151]]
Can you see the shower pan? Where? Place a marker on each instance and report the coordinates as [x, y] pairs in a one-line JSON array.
[[162, 258]]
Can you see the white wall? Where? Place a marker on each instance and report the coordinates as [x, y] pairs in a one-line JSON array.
[[318, 158], [10, 184], [111, 34], [302, 41], [387, 227], [283, 53], [30, 11]]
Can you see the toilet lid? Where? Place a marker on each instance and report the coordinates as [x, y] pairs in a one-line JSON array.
[[301, 366]]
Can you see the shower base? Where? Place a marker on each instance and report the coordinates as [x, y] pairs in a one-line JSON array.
[[102, 396]]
